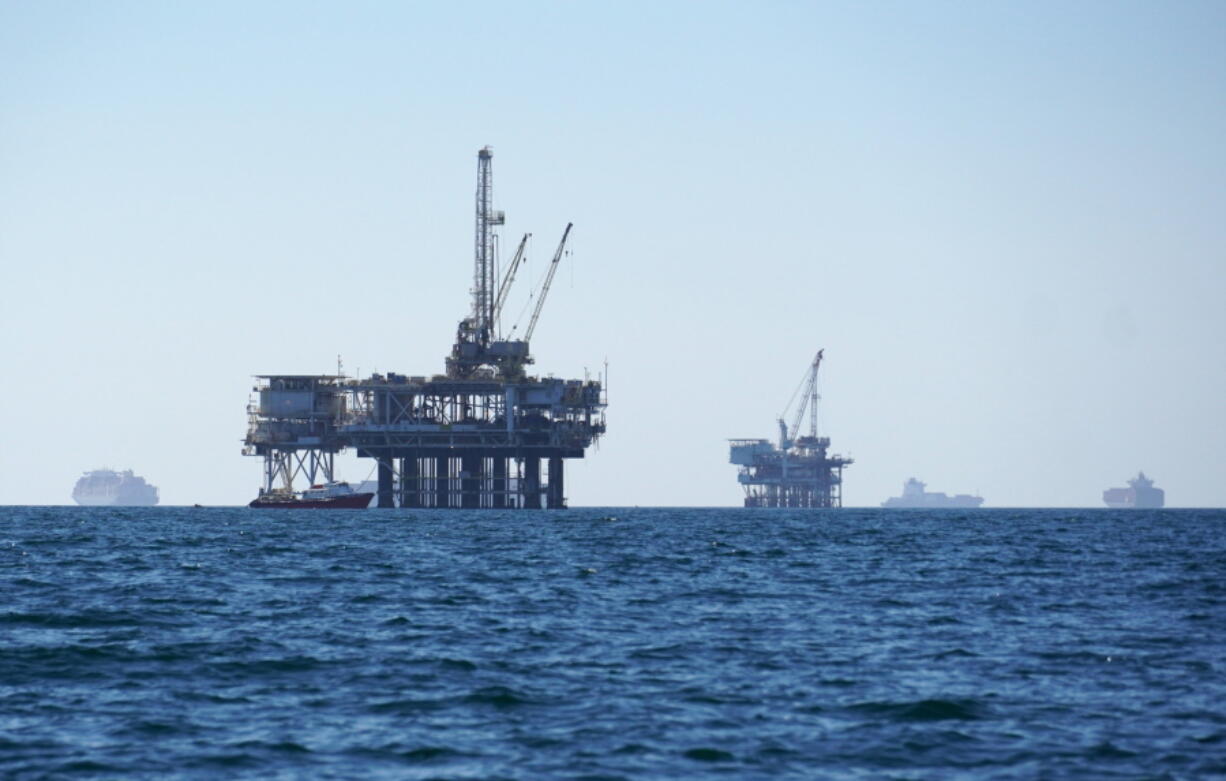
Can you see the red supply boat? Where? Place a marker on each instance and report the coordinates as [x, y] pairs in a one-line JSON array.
[[326, 496]]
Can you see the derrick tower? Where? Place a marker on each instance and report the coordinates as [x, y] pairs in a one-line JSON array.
[[473, 437], [476, 331]]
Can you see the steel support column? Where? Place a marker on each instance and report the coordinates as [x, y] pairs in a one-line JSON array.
[[556, 498], [442, 482], [531, 483], [470, 481], [386, 497], [499, 487], [410, 488]]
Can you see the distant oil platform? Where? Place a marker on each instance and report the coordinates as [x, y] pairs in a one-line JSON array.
[[1140, 495], [798, 471], [474, 437]]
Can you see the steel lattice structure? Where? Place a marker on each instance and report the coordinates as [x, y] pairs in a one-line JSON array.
[[474, 437]]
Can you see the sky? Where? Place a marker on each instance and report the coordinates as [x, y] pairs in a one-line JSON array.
[[1005, 223]]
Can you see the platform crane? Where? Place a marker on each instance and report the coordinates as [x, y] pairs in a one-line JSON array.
[[553, 268], [788, 434], [509, 279]]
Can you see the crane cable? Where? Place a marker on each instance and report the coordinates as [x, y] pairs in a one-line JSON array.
[[527, 262], [788, 406]]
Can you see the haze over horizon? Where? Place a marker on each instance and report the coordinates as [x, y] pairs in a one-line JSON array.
[[1002, 222]]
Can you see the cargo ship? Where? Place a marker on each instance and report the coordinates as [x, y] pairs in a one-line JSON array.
[[338, 495], [108, 488], [914, 495], [1140, 495]]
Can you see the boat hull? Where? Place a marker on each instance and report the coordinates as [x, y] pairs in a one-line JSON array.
[[946, 503], [350, 502], [114, 501]]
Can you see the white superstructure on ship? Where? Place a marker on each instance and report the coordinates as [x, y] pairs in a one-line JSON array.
[[1140, 494]]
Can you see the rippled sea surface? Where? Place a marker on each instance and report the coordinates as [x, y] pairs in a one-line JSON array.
[[612, 644]]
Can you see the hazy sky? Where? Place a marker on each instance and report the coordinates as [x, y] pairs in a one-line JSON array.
[[1004, 222]]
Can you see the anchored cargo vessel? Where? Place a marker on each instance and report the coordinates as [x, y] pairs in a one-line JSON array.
[[914, 495], [108, 488], [1140, 494]]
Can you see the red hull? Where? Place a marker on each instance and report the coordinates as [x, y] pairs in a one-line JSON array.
[[351, 502]]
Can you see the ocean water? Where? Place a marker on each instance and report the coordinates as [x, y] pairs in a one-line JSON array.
[[612, 644]]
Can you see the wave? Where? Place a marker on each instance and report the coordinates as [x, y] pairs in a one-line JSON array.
[[405, 707], [81, 620], [923, 710], [498, 696], [705, 754]]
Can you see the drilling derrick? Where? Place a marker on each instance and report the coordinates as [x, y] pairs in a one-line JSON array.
[[799, 471], [475, 334], [474, 437]]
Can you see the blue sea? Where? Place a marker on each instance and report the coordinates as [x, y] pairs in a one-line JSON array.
[[612, 644]]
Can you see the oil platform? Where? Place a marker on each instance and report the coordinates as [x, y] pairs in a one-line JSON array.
[[799, 471], [473, 437]]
